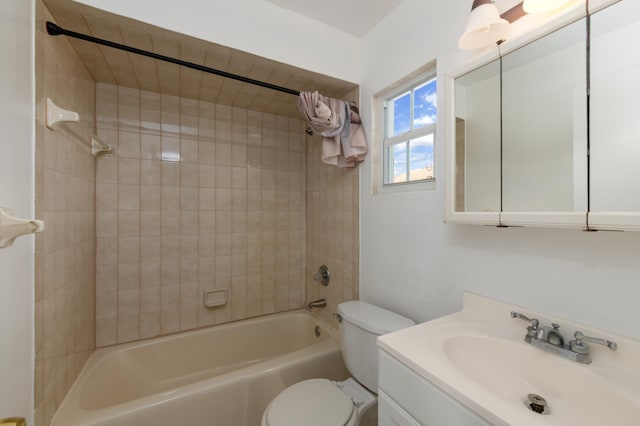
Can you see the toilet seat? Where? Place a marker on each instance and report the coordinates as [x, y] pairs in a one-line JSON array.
[[314, 402]]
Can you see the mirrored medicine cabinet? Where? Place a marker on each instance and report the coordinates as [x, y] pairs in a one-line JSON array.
[[547, 133]]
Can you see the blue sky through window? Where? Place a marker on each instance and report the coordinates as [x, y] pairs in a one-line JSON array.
[[420, 150], [402, 114]]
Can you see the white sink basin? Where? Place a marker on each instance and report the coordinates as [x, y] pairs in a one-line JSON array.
[[479, 357], [512, 370]]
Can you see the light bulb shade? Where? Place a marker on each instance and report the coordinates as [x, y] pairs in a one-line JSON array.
[[542, 6], [484, 28]]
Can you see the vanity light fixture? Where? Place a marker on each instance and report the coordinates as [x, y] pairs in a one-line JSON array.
[[542, 6], [487, 27], [484, 27]]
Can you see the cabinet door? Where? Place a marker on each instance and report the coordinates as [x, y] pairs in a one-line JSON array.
[[544, 124], [391, 414], [614, 124], [419, 398], [477, 140]]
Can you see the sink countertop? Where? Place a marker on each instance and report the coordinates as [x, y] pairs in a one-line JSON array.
[[479, 357]]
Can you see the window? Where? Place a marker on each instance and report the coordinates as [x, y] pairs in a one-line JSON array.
[[409, 133]]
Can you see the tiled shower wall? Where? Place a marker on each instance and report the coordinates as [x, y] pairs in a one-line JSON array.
[[195, 196], [65, 196], [332, 229]]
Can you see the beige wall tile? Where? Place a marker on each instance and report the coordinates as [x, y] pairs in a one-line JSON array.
[[189, 150], [206, 152], [129, 171], [151, 197], [106, 277], [66, 198], [150, 147], [170, 147], [128, 197], [189, 175], [128, 224], [206, 199], [128, 144], [206, 176], [150, 223], [106, 331], [107, 169], [170, 198], [128, 328], [150, 172], [169, 309], [107, 223], [170, 171], [128, 276], [106, 304], [150, 116]]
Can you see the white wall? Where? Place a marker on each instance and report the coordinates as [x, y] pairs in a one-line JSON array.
[[415, 264], [254, 26], [17, 114]]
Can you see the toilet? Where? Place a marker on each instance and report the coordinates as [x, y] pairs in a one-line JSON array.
[[323, 402]]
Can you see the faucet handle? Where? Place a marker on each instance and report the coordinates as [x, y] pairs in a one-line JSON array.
[[580, 347], [323, 276], [533, 321]]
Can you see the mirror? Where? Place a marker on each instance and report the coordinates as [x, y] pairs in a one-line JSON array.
[[477, 140], [529, 143], [614, 123], [544, 124]]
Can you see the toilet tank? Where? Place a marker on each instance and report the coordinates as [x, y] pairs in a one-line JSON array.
[[361, 325]]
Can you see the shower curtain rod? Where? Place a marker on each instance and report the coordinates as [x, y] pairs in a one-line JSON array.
[[56, 30]]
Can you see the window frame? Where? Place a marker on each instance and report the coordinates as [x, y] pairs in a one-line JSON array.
[[388, 142]]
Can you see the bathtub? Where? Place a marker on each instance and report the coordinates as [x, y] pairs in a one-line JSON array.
[[224, 375]]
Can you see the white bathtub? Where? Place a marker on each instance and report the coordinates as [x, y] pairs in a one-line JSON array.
[[220, 376]]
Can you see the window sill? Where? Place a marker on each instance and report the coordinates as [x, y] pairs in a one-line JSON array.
[[426, 185]]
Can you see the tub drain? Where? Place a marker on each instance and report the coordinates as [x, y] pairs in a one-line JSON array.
[[537, 404], [317, 331]]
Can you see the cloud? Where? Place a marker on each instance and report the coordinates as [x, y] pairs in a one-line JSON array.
[[430, 98], [421, 155], [424, 120]]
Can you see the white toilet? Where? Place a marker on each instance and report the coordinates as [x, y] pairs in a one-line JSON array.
[[322, 402]]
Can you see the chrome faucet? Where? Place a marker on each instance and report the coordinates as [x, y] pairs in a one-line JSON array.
[[320, 303], [550, 335], [550, 339]]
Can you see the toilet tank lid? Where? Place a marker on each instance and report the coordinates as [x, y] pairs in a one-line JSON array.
[[372, 318]]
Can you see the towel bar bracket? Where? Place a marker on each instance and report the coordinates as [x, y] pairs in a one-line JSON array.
[[12, 227]]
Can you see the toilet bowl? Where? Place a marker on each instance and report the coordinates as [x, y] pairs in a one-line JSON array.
[[319, 402], [322, 402]]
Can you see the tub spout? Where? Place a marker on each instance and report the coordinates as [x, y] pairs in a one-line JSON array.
[[320, 303]]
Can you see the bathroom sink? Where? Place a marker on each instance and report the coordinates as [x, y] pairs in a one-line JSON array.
[[479, 357], [512, 370]]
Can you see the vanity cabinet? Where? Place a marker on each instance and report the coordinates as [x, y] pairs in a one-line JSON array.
[[543, 130], [407, 399], [390, 413]]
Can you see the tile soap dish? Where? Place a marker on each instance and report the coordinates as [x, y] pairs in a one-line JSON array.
[[215, 297]]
